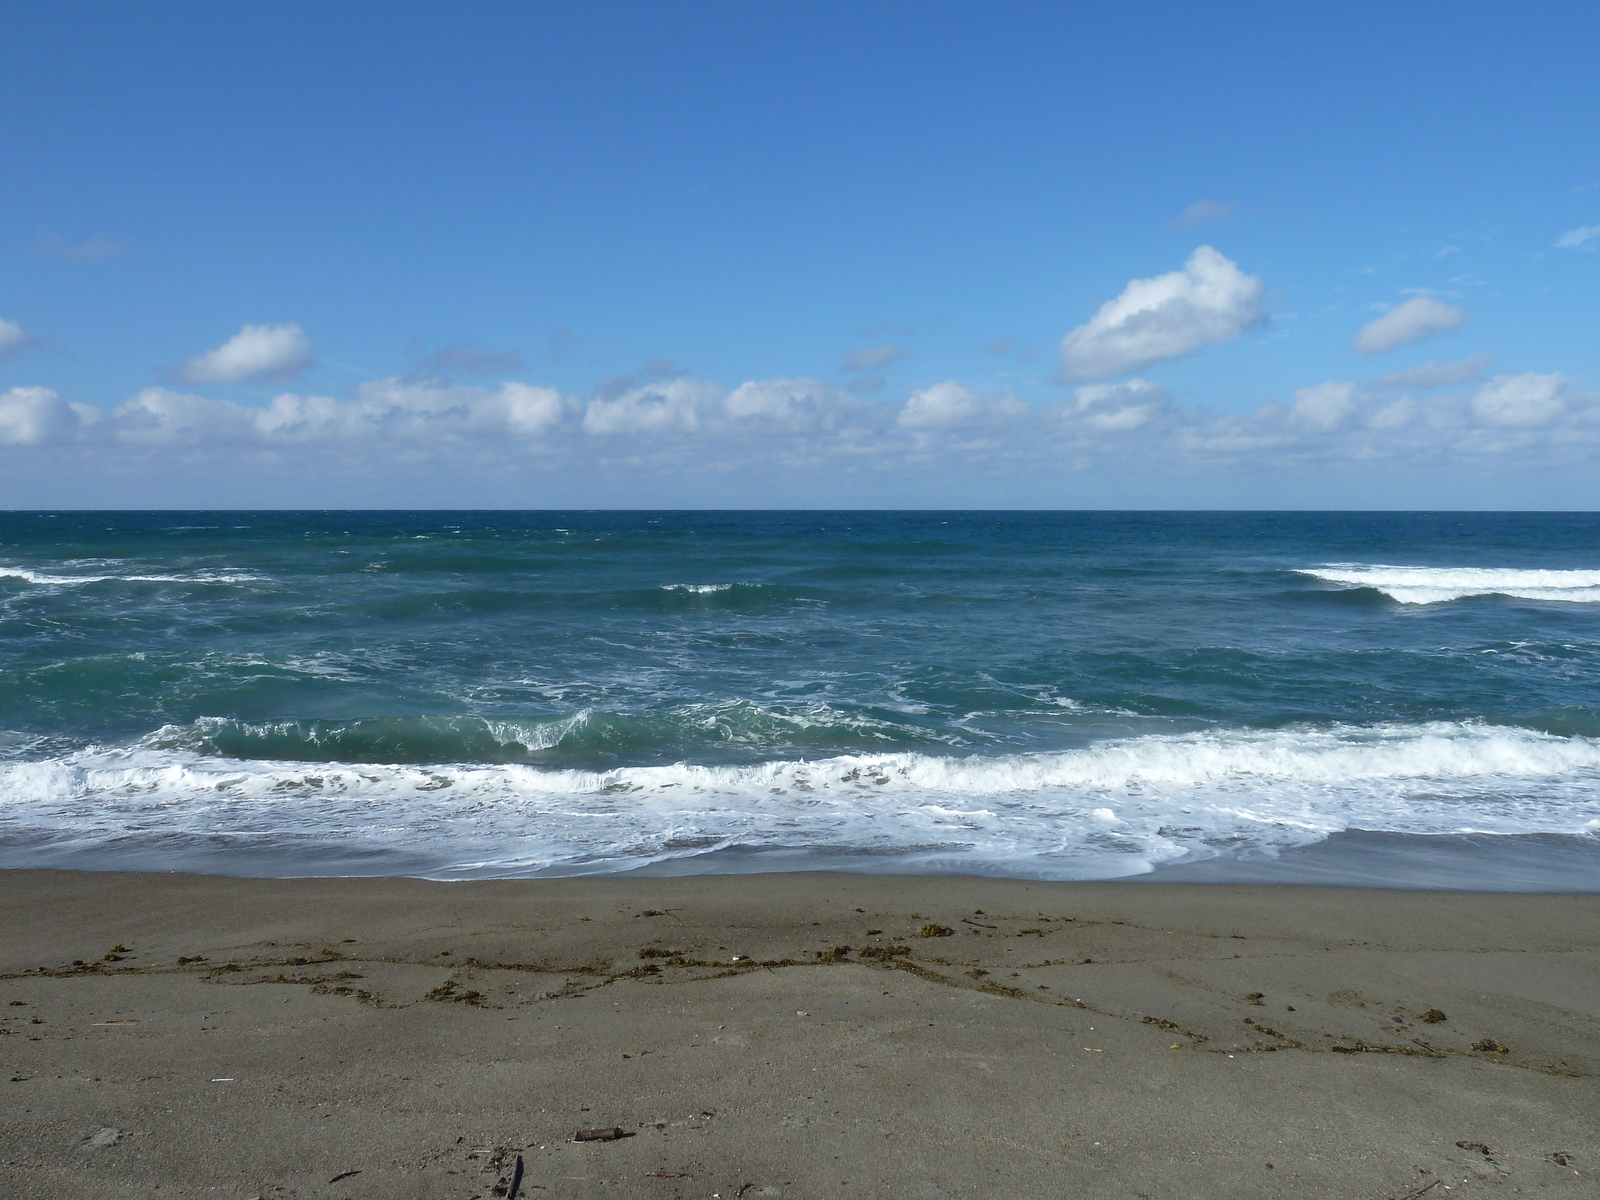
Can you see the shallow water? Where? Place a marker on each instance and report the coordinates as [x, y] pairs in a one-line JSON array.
[[1053, 695]]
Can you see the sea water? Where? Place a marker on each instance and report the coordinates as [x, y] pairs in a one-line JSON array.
[[1069, 695]]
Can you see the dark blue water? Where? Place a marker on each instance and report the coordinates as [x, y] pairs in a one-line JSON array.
[[1063, 695]]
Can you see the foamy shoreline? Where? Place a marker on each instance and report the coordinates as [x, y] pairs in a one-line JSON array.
[[1114, 808]]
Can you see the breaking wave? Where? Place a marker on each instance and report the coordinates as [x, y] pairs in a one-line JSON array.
[[44, 579], [1112, 809], [1435, 585], [736, 728]]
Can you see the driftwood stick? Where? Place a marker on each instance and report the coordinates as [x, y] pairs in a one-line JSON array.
[[1415, 1192], [609, 1134]]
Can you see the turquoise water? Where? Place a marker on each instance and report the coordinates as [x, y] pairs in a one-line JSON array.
[[1056, 695]]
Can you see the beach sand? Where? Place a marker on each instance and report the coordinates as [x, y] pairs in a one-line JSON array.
[[180, 1035]]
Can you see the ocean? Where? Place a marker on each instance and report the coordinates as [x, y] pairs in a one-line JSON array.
[[1406, 699]]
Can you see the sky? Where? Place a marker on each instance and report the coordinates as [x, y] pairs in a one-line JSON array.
[[865, 255]]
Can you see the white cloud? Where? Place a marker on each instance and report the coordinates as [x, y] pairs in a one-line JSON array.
[[1417, 318], [788, 405], [158, 417], [1436, 374], [942, 406], [1528, 399], [1209, 301], [425, 412], [36, 416], [405, 408], [293, 418], [255, 352], [530, 410], [1579, 239], [1326, 406], [1526, 420], [767, 431], [670, 406], [430, 411], [950, 406], [1119, 408], [1393, 416], [695, 408], [13, 338], [871, 358]]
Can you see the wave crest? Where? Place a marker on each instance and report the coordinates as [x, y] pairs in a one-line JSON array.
[[1436, 585], [44, 579], [736, 728]]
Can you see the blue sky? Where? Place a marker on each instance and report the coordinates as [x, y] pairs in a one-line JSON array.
[[813, 255]]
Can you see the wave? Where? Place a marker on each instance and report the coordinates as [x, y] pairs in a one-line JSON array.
[[1112, 809], [44, 579], [1436, 585], [512, 594], [709, 727], [741, 596]]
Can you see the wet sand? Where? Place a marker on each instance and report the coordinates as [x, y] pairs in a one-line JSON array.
[[791, 1035]]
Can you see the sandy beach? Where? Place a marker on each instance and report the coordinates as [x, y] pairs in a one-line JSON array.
[[805, 1035]]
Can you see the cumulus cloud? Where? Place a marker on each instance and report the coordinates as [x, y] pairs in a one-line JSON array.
[[684, 428], [688, 408], [789, 406], [670, 406], [1436, 374], [942, 406], [1528, 399], [431, 413], [1202, 211], [1512, 417], [1400, 413], [1119, 408], [472, 360], [431, 406], [950, 407], [13, 339], [1417, 318], [1325, 406], [1524, 420], [872, 358], [158, 417], [36, 416], [1209, 301], [425, 412], [256, 352], [1584, 238]]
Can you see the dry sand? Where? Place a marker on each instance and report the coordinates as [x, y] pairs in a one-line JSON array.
[[176, 1035]]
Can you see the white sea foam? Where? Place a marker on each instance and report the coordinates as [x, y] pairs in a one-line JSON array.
[[45, 579], [1435, 585], [1112, 809], [699, 589]]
